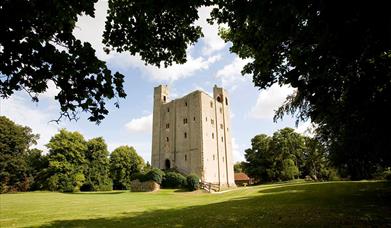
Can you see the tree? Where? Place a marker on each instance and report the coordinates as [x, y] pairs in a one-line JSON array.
[[37, 46], [259, 159], [238, 167], [98, 166], [124, 161], [67, 162], [289, 170], [38, 165], [285, 156], [15, 141]]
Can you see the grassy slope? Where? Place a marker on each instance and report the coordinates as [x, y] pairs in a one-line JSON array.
[[319, 204]]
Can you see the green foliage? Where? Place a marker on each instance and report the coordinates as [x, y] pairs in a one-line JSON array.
[[97, 171], [67, 161], [193, 182], [158, 31], [30, 57], [124, 161], [289, 170], [238, 167], [284, 156], [154, 174], [15, 141], [173, 180], [38, 164]]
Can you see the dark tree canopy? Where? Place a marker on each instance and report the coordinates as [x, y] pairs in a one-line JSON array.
[[37, 46], [15, 141]]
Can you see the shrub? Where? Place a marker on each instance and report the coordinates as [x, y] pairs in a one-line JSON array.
[[173, 180], [155, 175], [192, 182]]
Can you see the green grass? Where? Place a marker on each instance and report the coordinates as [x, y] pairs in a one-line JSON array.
[[332, 204]]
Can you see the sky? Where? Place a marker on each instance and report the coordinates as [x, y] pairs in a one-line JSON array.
[[209, 63]]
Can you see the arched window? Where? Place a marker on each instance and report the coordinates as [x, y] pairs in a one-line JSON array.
[[168, 164], [219, 99], [226, 101], [164, 98]]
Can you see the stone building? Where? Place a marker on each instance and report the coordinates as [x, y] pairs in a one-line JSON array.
[[192, 134]]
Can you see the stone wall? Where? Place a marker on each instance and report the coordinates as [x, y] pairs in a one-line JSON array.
[[146, 186]]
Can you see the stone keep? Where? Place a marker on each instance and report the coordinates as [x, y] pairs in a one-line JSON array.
[[192, 134]]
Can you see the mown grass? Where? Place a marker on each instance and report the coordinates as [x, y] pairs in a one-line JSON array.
[[357, 204]]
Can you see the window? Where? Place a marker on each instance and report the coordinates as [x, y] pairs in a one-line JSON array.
[[211, 104], [218, 99], [227, 129], [185, 121], [212, 121], [213, 157], [167, 139], [185, 157], [223, 159], [164, 98], [194, 118], [167, 125], [168, 109], [185, 135], [213, 135], [222, 139], [221, 126], [206, 119], [226, 101], [186, 103]]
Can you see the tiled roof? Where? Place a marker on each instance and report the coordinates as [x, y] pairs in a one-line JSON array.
[[241, 177]]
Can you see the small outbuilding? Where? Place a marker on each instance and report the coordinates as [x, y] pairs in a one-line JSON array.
[[241, 179]]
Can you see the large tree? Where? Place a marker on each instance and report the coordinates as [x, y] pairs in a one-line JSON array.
[[37, 46], [67, 161], [124, 161], [15, 141], [284, 156], [98, 166]]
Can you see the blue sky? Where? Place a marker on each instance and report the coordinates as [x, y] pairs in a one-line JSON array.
[[209, 63]]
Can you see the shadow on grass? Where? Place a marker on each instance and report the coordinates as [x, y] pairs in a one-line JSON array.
[[330, 204], [100, 193]]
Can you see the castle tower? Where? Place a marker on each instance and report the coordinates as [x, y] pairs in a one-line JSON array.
[[192, 135]]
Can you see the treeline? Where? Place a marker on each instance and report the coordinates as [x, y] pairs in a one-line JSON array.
[[287, 155], [72, 163]]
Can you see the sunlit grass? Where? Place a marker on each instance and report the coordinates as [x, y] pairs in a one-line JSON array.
[[289, 204]]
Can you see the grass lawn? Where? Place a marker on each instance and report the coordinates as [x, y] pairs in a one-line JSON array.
[[357, 204]]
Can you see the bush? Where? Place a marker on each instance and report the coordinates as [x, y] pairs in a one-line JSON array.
[[173, 180], [192, 182], [155, 175]]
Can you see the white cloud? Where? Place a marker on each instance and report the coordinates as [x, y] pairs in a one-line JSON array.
[[212, 41], [142, 124], [238, 154], [37, 118], [270, 100], [306, 128], [231, 76], [51, 91], [90, 29], [169, 74]]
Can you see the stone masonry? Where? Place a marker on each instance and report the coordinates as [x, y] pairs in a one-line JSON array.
[[192, 134]]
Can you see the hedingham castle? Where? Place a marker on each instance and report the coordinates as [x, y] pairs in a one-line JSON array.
[[192, 135]]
